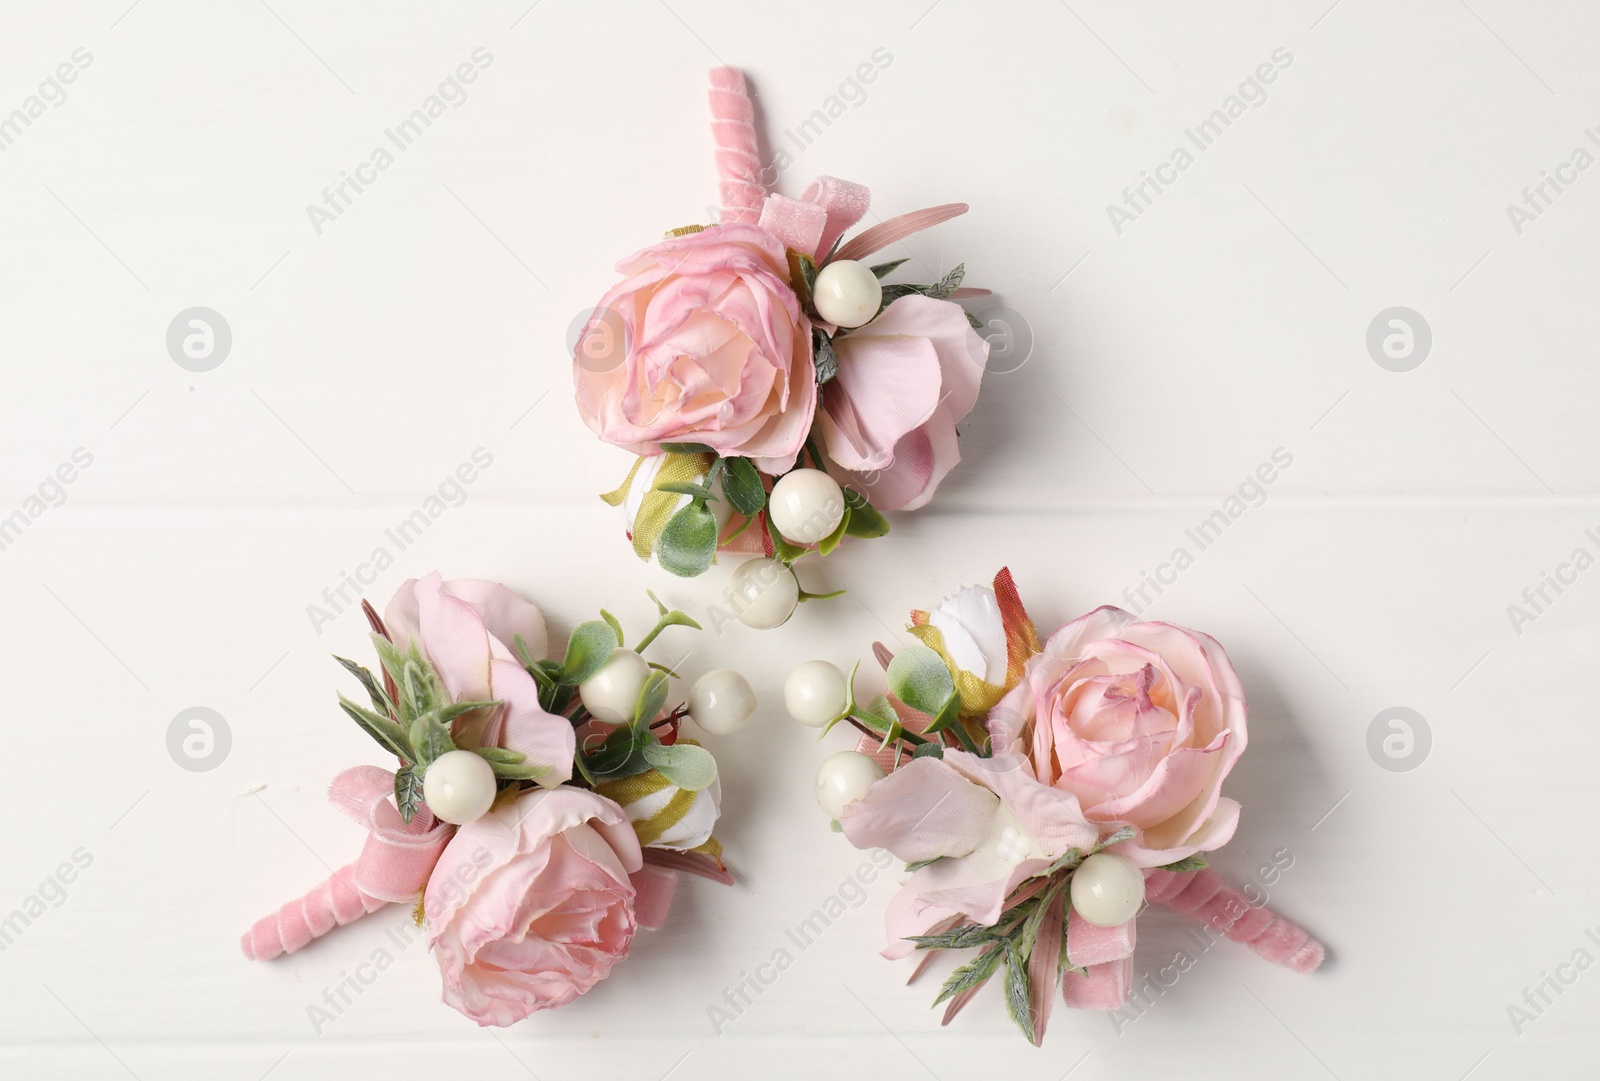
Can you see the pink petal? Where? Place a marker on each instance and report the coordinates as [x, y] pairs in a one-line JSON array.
[[888, 384], [1183, 777], [546, 739], [883, 234], [455, 640], [504, 613], [921, 811]]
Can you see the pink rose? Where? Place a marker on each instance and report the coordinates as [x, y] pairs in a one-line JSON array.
[[988, 823], [466, 628], [713, 349], [1141, 722], [905, 379], [531, 905]]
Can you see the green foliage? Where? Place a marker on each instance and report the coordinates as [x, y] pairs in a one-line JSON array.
[[588, 649], [919, 677], [689, 767], [652, 696], [862, 518], [742, 485], [688, 542]]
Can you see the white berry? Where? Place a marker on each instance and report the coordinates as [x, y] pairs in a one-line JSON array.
[[765, 593], [806, 505], [844, 778], [815, 693], [847, 293], [612, 693], [721, 701], [1107, 890], [459, 787]]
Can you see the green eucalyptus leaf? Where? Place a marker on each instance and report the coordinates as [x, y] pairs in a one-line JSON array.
[[510, 765], [688, 542], [390, 736], [742, 485], [949, 714], [380, 698], [831, 541], [430, 739], [781, 548], [621, 755], [588, 649], [865, 519], [1017, 997], [919, 677], [407, 792], [1185, 865], [1126, 833], [689, 767], [928, 750], [652, 696], [972, 974]]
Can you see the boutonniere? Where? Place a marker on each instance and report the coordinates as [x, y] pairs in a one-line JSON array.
[[782, 387]]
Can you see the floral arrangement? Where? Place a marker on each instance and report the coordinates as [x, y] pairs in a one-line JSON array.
[[779, 394], [1040, 795], [539, 807]]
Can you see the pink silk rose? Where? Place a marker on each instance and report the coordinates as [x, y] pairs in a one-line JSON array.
[[1141, 722], [714, 350], [988, 823], [466, 629], [905, 379], [531, 905]]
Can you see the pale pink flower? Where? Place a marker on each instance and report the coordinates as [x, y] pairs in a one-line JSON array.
[[702, 342], [531, 905]]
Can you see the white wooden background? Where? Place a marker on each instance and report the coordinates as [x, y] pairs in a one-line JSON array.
[[1168, 361]]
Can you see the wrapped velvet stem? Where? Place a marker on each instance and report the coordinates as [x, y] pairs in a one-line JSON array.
[[333, 903], [1203, 896], [738, 158]]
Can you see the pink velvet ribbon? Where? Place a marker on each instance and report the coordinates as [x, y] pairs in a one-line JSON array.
[[738, 159], [1107, 952], [815, 222], [394, 865]]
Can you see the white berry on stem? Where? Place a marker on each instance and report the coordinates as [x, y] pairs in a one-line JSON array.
[[722, 702], [459, 787], [612, 693]]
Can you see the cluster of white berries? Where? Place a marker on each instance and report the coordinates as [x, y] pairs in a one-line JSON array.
[[1106, 889], [460, 786]]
